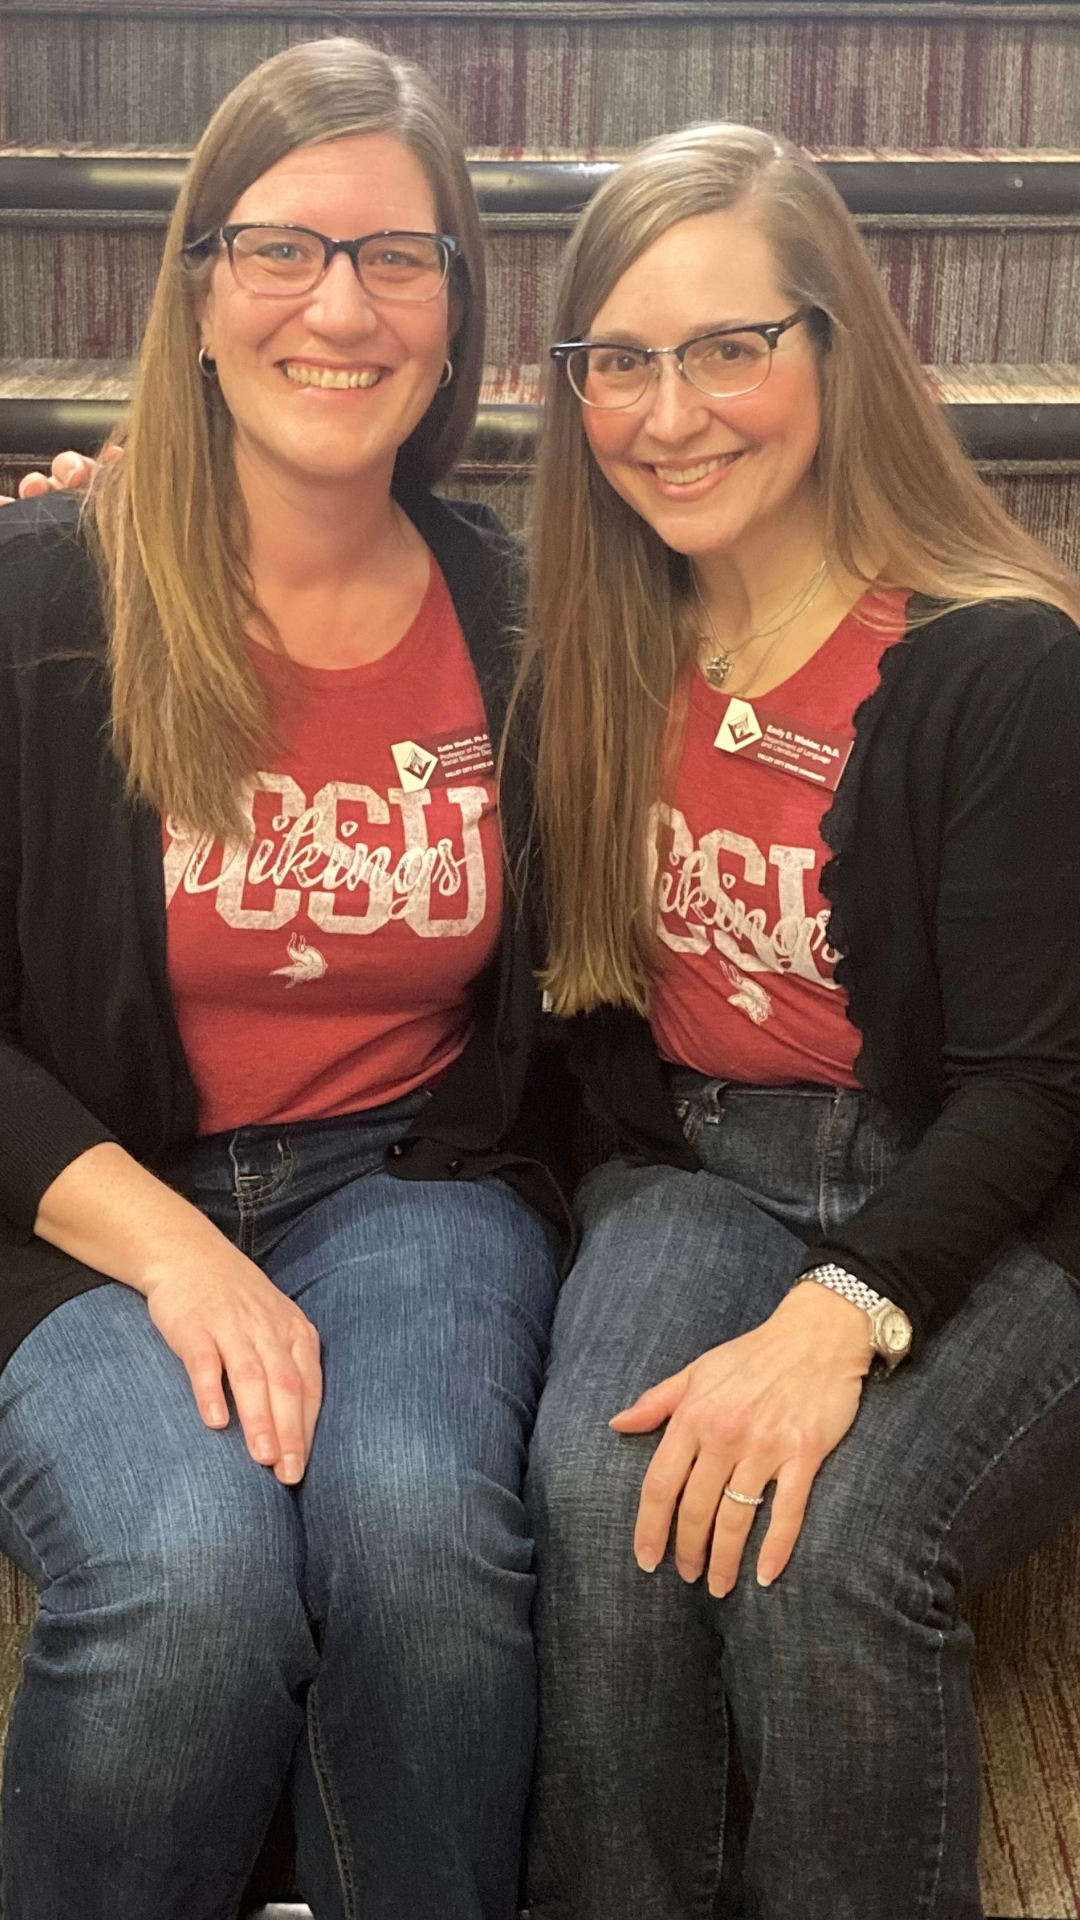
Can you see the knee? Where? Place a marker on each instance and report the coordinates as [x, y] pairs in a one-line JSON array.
[[411, 1522], [425, 1566], [867, 1564], [202, 1575], [583, 1484]]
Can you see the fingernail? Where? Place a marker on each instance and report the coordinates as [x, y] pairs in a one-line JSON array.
[[264, 1448], [647, 1566], [292, 1467], [689, 1574], [718, 1591], [217, 1415], [764, 1580]]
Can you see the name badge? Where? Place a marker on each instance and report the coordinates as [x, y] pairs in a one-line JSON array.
[[435, 761], [784, 746]]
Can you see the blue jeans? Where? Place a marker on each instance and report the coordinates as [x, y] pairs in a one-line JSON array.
[[207, 1636], [847, 1682]]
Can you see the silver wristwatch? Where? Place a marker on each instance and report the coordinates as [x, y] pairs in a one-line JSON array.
[[890, 1328]]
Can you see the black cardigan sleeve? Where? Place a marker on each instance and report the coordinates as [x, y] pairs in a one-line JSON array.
[[1007, 952], [43, 1127]]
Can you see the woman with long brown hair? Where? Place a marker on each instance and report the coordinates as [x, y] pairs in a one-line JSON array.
[[809, 789], [266, 1014]]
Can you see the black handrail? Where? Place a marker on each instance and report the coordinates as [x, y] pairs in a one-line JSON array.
[[504, 435], [135, 183]]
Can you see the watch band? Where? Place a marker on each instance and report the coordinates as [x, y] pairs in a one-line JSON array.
[[890, 1328], [845, 1283]]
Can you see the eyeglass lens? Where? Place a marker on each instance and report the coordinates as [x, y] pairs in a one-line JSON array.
[[278, 260], [719, 364]]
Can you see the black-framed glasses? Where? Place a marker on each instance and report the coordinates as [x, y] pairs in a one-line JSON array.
[[726, 362], [286, 261]]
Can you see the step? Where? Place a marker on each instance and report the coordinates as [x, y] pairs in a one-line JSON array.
[[1023, 423], [357, 11], [555, 10], [1019, 413], [980, 253], [977, 288], [596, 77]]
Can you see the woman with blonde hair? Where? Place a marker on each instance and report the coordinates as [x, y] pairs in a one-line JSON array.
[[809, 789], [267, 1018]]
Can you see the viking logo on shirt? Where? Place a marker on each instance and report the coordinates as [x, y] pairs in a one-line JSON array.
[[318, 850], [702, 903]]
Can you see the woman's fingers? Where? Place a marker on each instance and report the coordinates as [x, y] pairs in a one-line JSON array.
[[276, 1396], [230, 1317], [72, 470], [661, 1488], [285, 1392], [68, 471], [655, 1404], [306, 1353], [33, 484], [734, 1519], [793, 1484], [251, 1390], [203, 1363], [701, 1497]]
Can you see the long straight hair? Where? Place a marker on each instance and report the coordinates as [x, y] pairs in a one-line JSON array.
[[166, 521], [609, 635]]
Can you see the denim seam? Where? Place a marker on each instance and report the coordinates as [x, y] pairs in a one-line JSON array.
[[253, 1190], [717, 1864], [942, 1760], [1019, 1434], [335, 1824]]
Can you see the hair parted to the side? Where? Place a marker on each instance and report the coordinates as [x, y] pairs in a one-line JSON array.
[[609, 635], [166, 521]]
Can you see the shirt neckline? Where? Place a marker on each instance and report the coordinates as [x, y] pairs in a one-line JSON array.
[[895, 599], [283, 672]]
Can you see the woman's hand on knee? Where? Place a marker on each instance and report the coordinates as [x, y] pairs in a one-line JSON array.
[[218, 1312], [222, 1316], [769, 1406]]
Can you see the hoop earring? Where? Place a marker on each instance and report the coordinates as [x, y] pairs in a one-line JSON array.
[[207, 367], [447, 374]]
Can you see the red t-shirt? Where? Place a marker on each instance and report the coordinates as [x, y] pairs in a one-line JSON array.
[[745, 988], [325, 967]]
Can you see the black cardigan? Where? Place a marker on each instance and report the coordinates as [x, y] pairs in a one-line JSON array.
[[955, 890], [90, 1050]]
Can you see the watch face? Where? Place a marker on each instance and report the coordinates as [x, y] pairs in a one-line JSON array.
[[895, 1331]]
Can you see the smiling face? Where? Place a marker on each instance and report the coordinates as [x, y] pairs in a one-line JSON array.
[[707, 474], [327, 385]]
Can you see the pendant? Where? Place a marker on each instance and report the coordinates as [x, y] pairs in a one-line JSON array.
[[715, 669]]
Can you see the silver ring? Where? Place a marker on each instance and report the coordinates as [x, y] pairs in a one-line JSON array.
[[745, 1499]]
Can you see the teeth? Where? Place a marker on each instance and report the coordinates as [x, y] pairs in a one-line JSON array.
[[684, 476], [328, 377]]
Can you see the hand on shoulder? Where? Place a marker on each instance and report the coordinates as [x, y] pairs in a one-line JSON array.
[[70, 472]]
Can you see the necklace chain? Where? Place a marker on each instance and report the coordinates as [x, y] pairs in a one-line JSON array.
[[716, 667]]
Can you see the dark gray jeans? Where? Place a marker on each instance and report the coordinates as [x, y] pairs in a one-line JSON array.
[[847, 1682]]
